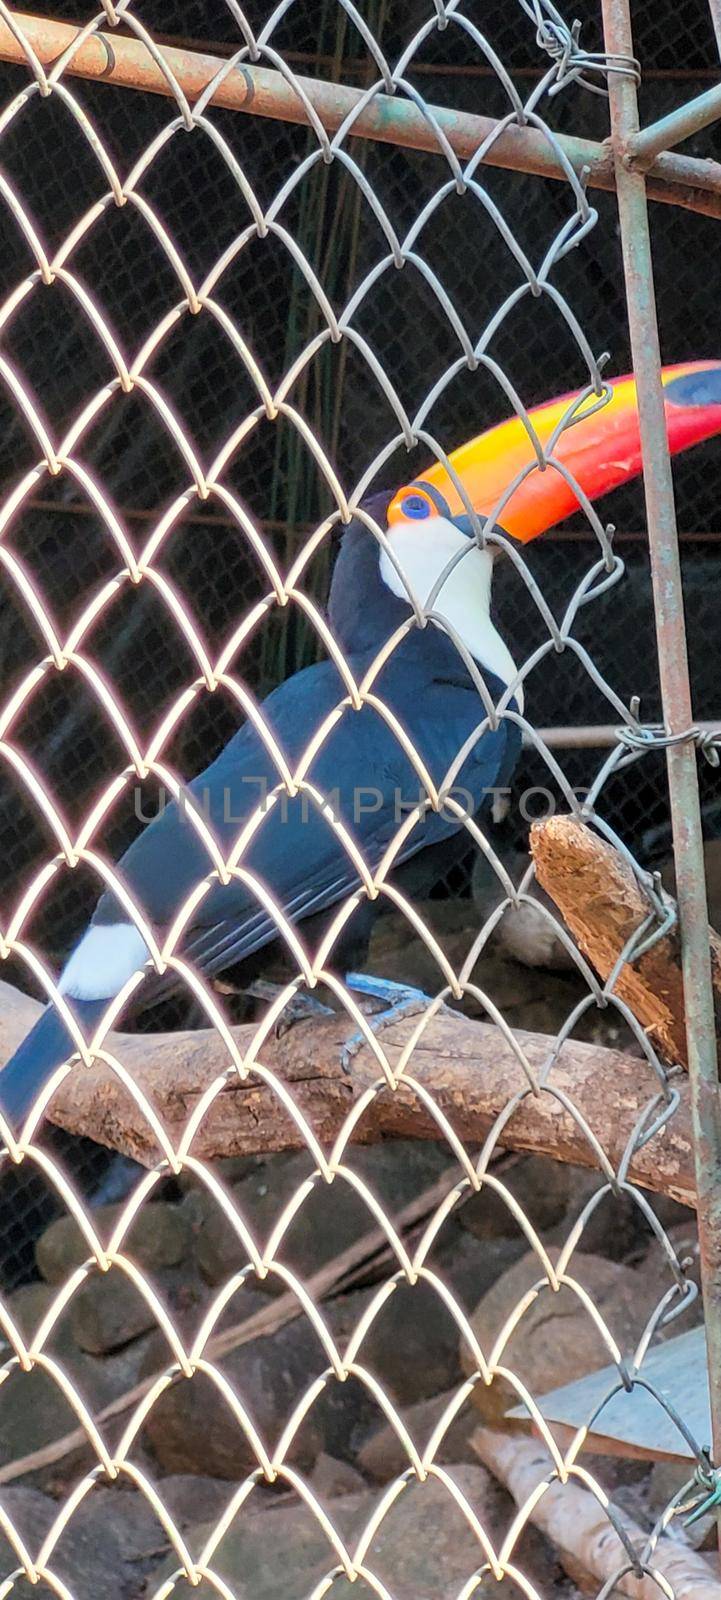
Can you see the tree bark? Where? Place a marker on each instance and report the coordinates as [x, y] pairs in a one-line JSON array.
[[602, 904], [468, 1068], [576, 1523]]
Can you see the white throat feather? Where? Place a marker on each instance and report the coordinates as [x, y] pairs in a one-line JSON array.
[[427, 552]]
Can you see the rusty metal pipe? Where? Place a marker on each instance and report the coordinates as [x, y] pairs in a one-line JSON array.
[[676, 694], [595, 736], [644, 146], [125, 61]]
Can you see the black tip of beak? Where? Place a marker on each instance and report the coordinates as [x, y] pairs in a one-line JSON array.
[[695, 388]]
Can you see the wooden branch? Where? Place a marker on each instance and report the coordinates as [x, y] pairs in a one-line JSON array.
[[468, 1068], [575, 1522], [601, 902]]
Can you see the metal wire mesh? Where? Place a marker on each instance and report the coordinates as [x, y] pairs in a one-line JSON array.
[[217, 337], [279, 478]]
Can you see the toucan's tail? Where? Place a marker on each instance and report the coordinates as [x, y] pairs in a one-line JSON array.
[[43, 1049]]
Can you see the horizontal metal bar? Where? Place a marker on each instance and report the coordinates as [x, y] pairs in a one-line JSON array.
[[595, 736], [561, 535], [680, 124], [119, 60], [357, 66]]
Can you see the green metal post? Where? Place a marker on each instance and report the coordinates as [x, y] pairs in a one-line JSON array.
[[715, 9], [674, 128], [676, 692]]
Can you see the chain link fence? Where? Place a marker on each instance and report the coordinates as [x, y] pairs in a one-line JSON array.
[[199, 367], [221, 333]]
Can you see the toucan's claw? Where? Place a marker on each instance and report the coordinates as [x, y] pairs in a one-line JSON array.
[[298, 1007], [401, 999]]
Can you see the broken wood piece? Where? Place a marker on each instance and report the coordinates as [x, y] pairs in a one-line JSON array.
[[633, 1422], [469, 1069], [603, 904], [577, 1524]]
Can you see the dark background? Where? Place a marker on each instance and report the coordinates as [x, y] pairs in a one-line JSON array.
[[63, 543]]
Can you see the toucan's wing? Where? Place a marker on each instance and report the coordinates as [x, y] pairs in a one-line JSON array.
[[224, 943], [297, 855]]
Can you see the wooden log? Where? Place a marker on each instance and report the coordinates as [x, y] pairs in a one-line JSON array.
[[468, 1068], [602, 904], [587, 1543]]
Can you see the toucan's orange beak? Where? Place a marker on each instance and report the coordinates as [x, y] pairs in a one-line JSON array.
[[600, 450]]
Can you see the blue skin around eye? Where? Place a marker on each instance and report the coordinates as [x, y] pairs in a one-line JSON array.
[[415, 506]]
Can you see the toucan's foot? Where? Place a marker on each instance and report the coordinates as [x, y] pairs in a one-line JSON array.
[[401, 1000], [299, 1008]]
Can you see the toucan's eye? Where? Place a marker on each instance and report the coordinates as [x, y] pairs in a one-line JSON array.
[[415, 505]]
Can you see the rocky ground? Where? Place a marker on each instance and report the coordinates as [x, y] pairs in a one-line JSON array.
[[194, 1448], [194, 1445]]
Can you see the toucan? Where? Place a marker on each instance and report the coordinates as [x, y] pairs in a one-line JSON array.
[[344, 770]]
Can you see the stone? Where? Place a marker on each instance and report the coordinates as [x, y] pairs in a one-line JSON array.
[[469, 1265], [345, 1412], [382, 1455], [34, 1408], [97, 1551], [556, 1339], [424, 1548], [26, 1307], [615, 1226], [129, 1513], [229, 1169], [108, 1311], [524, 933], [411, 1346], [189, 1496], [157, 1238], [31, 1514], [331, 1478], [330, 1218], [267, 1554], [670, 1213], [193, 1428], [540, 1186]]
